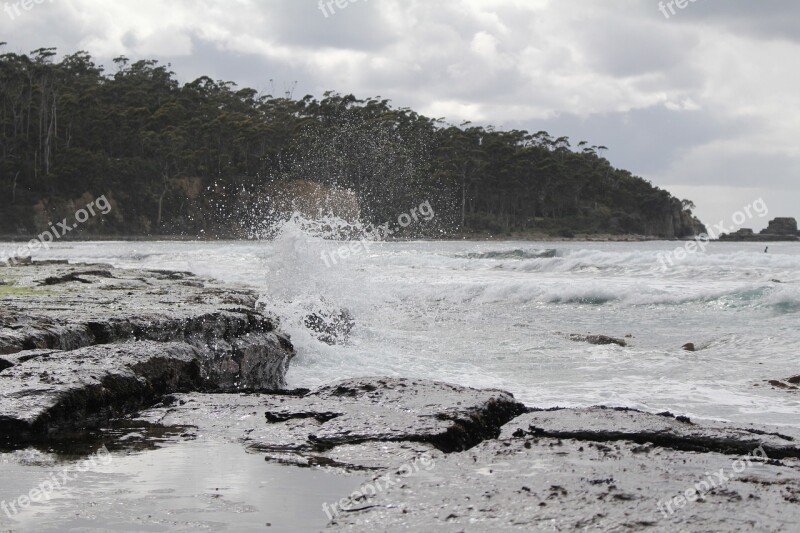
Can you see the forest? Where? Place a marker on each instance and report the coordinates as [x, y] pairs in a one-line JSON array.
[[205, 158]]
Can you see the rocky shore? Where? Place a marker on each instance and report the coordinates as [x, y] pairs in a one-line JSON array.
[[81, 344], [89, 346]]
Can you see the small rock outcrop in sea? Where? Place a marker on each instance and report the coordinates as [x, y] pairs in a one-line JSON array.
[[330, 327], [689, 347], [600, 340], [79, 345], [781, 226], [779, 229], [792, 383]]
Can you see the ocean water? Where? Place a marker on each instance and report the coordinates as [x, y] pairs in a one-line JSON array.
[[498, 314]]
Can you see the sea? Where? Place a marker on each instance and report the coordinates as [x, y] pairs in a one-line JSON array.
[[500, 314]]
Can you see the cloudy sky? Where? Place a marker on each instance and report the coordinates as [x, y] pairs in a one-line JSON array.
[[704, 102]]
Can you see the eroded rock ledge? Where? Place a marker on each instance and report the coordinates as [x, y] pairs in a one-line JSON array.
[[493, 465], [597, 469], [80, 344], [365, 423]]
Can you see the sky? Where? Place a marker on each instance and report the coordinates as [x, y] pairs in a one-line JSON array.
[[701, 97]]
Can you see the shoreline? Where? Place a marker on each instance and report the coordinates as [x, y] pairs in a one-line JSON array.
[[142, 349], [21, 240]]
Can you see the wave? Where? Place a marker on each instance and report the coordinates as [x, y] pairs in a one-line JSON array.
[[742, 265], [780, 299]]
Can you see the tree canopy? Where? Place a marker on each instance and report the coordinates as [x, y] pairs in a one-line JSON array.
[[202, 158]]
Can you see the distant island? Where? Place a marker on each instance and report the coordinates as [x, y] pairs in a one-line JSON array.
[[210, 159], [779, 229]]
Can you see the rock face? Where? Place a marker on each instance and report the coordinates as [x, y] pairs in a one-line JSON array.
[[91, 344], [781, 226], [595, 469]]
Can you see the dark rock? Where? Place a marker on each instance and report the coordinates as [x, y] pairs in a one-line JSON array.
[[51, 262], [91, 384], [331, 327], [792, 383], [76, 276], [780, 229], [689, 347], [781, 385], [781, 226], [597, 339]]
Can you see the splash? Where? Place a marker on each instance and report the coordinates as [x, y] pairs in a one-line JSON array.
[[318, 301]]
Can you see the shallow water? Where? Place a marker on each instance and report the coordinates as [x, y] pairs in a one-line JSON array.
[[185, 485]]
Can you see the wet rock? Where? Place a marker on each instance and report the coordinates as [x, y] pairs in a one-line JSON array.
[[601, 340], [84, 386], [536, 484], [689, 347], [781, 385], [791, 384], [599, 480], [79, 277], [131, 314], [602, 424], [387, 409], [331, 327], [353, 424]]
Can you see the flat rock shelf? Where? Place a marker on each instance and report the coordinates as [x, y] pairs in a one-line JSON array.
[[81, 344]]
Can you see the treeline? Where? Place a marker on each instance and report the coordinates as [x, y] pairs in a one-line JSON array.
[[205, 158]]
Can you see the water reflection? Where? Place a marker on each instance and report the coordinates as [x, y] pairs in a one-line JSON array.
[[164, 479]]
